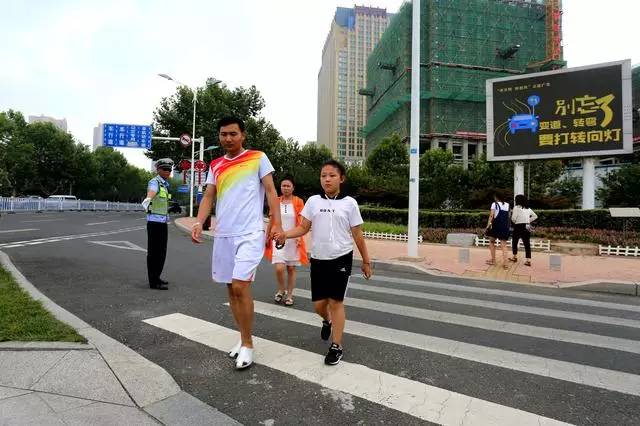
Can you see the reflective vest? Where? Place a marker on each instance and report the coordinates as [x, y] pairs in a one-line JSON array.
[[160, 203]]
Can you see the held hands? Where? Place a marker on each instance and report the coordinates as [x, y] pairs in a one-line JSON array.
[[277, 235]]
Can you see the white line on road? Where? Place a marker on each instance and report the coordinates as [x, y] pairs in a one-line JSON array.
[[556, 334], [6, 231], [42, 220], [601, 319], [418, 399], [514, 294], [102, 223], [546, 367], [67, 237]]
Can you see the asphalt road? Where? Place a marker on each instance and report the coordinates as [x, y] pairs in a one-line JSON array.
[[503, 350]]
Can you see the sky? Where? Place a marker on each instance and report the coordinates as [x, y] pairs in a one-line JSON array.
[[91, 62]]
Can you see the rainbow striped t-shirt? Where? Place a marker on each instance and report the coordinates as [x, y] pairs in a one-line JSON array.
[[240, 193]]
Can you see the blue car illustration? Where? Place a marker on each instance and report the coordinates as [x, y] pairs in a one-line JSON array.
[[523, 121]]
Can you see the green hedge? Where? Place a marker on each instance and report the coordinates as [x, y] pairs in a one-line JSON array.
[[586, 219]]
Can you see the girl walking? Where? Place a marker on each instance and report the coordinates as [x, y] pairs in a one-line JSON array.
[[337, 224]]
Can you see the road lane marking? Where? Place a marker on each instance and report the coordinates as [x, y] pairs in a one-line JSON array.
[[126, 245], [507, 293], [42, 220], [546, 367], [101, 223], [67, 237], [556, 334], [418, 399], [601, 319], [6, 231]]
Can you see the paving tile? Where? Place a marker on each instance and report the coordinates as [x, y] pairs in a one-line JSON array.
[[21, 369], [29, 420], [84, 374], [24, 406], [11, 392], [60, 403], [184, 409], [106, 414]]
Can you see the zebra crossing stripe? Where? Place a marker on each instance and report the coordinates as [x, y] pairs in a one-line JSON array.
[[507, 293], [546, 367], [601, 319], [420, 400], [556, 334]]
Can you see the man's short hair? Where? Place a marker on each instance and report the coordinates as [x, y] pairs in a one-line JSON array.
[[226, 121]]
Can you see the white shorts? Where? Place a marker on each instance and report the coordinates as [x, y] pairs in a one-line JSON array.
[[237, 258], [288, 255]]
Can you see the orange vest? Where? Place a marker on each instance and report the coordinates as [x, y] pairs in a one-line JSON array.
[[298, 205]]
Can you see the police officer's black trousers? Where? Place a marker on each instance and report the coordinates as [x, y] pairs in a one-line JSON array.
[[157, 236]]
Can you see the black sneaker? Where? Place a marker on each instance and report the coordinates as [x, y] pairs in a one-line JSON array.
[[325, 333], [334, 355]]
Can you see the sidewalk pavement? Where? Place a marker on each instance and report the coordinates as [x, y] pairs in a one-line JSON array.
[[100, 383], [601, 273]]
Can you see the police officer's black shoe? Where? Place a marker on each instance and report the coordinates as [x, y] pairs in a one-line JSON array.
[[159, 286], [163, 282]]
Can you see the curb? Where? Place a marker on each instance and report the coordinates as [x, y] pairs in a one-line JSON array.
[[598, 286], [150, 386]]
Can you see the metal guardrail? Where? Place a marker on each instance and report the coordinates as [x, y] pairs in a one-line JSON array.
[[535, 244], [619, 251], [14, 205]]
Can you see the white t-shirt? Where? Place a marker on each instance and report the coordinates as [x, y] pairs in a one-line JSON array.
[[240, 193], [331, 220], [503, 207]]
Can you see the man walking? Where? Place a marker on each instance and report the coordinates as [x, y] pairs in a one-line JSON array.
[[157, 206], [237, 182]]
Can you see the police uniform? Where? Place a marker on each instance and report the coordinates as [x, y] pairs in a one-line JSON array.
[[157, 229]]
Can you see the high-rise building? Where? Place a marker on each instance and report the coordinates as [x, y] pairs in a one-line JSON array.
[[341, 110], [60, 124]]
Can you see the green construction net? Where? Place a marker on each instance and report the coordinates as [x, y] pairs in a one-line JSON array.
[[463, 43]]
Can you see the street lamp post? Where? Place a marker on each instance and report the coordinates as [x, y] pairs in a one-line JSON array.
[[193, 135]]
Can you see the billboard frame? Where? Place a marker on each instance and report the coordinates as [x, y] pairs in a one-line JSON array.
[[627, 129]]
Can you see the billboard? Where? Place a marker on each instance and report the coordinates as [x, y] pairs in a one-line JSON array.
[[575, 112]]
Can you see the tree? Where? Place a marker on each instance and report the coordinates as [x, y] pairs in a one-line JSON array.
[[390, 157], [443, 184], [566, 192], [175, 114], [620, 187], [487, 178]]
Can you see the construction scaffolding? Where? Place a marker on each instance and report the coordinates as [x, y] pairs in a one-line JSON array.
[[635, 96], [463, 43]]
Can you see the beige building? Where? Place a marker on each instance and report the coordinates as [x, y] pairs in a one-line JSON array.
[[341, 109], [60, 124]]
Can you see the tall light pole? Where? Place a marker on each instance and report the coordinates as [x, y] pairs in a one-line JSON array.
[[414, 150], [193, 135]]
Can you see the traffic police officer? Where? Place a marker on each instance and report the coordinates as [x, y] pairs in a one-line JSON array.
[[156, 205]]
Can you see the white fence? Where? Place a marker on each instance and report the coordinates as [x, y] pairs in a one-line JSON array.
[[619, 251], [388, 236], [14, 205], [544, 245]]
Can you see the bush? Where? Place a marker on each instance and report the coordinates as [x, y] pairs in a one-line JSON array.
[[585, 219]]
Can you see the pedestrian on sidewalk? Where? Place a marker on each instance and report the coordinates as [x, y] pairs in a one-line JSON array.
[[156, 204], [498, 228], [522, 216], [237, 182], [337, 223], [294, 252]]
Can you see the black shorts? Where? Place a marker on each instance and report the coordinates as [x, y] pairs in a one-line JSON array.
[[329, 278]]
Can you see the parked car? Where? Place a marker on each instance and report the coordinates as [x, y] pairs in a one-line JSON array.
[[63, 197]]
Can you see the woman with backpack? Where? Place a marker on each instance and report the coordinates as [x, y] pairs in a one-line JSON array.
[[498, 228]]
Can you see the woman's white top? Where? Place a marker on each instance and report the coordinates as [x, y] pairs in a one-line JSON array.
[[522, 215]]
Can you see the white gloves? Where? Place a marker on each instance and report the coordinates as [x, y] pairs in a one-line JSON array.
[[145, 203]]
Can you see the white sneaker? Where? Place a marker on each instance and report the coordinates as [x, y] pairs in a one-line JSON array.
[[234, 351], [245, 358]]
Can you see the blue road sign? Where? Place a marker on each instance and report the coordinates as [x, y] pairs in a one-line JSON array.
[[183, 188], [126, 136]]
